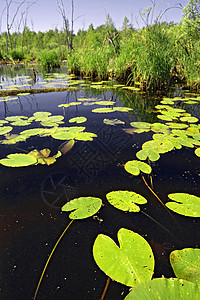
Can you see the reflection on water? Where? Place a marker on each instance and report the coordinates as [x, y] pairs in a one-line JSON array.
[[31, 197]]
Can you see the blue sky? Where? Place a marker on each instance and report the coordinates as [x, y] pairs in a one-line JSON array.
[[44, 14]]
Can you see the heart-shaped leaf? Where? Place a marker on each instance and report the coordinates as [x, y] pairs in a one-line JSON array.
[[129, 264], [125, 200], [18, 160], [135, 166], [186, 264], [43, 157], [184, 204], [148, 153], [163, 288], [83, 207], [78, 120]]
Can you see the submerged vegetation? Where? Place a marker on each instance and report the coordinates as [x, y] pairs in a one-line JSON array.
[[154, 57]]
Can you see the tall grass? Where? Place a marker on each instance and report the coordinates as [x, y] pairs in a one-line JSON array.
[[49, 59]]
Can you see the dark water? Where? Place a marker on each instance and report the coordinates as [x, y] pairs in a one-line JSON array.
[[31, 197]]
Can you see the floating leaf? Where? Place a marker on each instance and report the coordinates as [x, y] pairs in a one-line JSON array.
[[103, 110], [41, 115], [113, 122], [122, 109], [189, 119], [163, 288], [85, 136], [197, 152], [131, 263], [105, 102], [18, 160], [16, 118], [78, 120], [43, 157], [21, 123], [184, 204], [148, 153], [63, 135], [141, 125], [134, 167], [2, 122], [125, 200], [83, 207], [176, 125], [186, 264], [32, 132], [69, 104], [5, 129]]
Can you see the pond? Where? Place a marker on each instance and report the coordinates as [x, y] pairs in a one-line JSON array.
[[92, 164]]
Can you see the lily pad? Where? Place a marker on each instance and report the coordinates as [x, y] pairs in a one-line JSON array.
[[78, 120], [103, 110], [186, 264], [83, 207], [185, 204], [148, 153], [5, 129], [197, 152], [131, 263], [122, 109], [134, 167], [105, 102], [113, 122], [126, 200], [18, 160], [41, 115], [43, 157], [85, 136], [16, 118], [141, 125], [189, 119], [163, 288], [69, 104]]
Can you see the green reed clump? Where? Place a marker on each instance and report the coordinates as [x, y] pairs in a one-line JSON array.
[[49, 59], [17, 55], [154, 56]]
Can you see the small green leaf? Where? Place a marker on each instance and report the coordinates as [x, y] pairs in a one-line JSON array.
[[197, 152], [125, 200], [134, 167], [83, 207], [78, 120], [129, 264], [103, 110], [184, 204], [148, 153], [5, 129], [18, 160], [186, 264], [69, 104], [113, 122], [189, 119]]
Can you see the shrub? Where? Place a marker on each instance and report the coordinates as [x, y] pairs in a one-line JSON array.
[[49, 59]]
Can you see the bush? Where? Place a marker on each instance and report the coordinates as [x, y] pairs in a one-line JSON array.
[[49, 59], [17, 55]]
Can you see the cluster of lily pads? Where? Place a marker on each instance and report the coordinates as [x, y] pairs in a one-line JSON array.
[[132, 261]]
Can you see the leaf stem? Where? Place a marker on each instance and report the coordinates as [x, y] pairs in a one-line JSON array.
[[105, 289], [45, 267]]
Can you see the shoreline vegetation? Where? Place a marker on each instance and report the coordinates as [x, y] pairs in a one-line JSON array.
[[153, 58]]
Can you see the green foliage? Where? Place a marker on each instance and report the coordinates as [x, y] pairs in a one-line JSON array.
[[185, 204], [83, 207], [186, 264], [163, 288], [17, 55], [49, 59], [131, 263]]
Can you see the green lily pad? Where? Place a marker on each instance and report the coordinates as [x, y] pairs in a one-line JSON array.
[[184, 204], [189, 119], [2, 122], [43, 157], [113, 122], [148, 153], [78, 120], [63, 135], [163, 288], [69, 104], [122, 109], [131, 263], [177, 125], [5, 129], [141, 125], [16, 118], [83, 207], [197, 152], [125, 200], [32, 132], [186, 264], [103, 110], [18, 160], [41, 115], [105, 102], [85, 136], [134, 167], [21, 123]]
